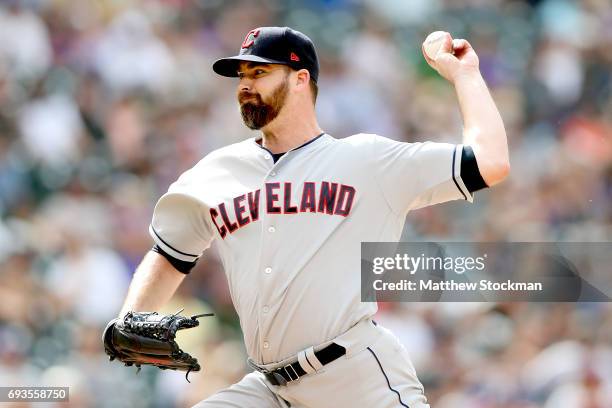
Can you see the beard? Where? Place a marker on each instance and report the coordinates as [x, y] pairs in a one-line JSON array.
[[258, 113]]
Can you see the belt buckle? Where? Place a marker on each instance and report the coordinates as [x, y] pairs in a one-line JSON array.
[[278, 377], [275, 376], [289, 374]]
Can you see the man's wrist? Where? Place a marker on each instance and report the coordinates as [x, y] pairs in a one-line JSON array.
[[468, 76]]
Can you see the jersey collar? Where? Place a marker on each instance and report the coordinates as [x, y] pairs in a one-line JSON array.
[[257, 142]]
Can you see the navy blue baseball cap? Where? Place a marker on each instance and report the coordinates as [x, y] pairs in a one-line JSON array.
[[273, 45]]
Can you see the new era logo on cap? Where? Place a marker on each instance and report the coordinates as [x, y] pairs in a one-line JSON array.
[[273, 45]]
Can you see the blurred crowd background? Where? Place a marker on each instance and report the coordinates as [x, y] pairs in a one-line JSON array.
[[104, 103]]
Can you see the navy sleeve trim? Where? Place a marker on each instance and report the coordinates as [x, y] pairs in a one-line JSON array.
[[181, 266], [453, 173], [170, 246], [470, 174]]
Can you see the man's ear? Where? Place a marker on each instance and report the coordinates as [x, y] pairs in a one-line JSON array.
[[302, 79]]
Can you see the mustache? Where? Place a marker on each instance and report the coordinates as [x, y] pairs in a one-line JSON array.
[[243, 96]]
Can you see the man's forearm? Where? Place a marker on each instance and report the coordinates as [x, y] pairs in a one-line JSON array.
[[483, 127], [153, 284]]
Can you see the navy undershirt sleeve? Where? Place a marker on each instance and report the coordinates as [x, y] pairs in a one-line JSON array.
[[181, 266], [470, 174]]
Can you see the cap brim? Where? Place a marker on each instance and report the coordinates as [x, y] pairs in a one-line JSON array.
[[228, 67]]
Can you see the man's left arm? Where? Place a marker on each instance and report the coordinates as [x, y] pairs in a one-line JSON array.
[[483, 126]]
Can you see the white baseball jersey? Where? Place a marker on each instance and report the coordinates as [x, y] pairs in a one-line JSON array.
[[289, 233]]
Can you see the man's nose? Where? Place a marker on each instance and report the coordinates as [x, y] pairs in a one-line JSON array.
[[245, 84]]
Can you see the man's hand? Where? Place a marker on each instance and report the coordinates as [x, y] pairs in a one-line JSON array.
[[451, 58]]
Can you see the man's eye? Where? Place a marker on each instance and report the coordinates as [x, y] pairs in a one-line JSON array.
[[259, 71]]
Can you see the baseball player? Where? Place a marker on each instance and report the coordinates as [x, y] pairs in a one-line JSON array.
[[289, 209]]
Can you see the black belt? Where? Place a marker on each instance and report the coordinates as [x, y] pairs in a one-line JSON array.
[[293, 371]]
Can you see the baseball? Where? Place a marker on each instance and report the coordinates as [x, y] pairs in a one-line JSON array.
[[438, 41]]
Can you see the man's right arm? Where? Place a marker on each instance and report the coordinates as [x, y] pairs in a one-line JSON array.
[[153, 284], [483, 125]]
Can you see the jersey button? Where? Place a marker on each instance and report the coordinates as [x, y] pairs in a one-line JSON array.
[[266, 345], [268, 270], [273, 173], [267, 156], [271, 229], [266, 309]]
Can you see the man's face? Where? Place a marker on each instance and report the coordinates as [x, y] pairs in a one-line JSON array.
[[262, 92]]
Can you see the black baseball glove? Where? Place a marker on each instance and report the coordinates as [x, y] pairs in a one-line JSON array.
[[149, 338]]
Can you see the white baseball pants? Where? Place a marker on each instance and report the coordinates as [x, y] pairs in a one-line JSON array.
[[376, 372]]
